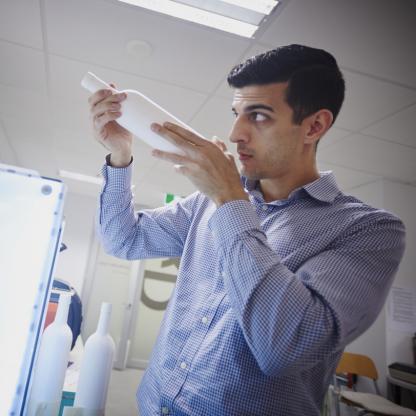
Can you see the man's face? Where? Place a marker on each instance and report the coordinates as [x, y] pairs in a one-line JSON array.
[[269, 145]]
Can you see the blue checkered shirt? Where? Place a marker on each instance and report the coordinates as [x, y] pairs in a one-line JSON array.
[[267, 294]]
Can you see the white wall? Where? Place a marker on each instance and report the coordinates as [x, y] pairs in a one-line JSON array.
[[380, 342], [79, 212]]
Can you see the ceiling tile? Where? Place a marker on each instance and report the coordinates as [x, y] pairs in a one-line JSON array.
[[374, 37], [36, 156], [22, 67], [215, 118], [182, 53], [398, 128], [20, 22], [368, 100], [23, 103], [332, 136], [347, 178], [65, 84], [224, 90], [7, 152], [25, 130], [47, 150], [375, 156]]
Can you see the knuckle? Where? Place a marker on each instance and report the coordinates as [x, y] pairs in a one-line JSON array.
[[103, 93]]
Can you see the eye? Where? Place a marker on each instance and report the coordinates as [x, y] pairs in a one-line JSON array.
[[258, 117]]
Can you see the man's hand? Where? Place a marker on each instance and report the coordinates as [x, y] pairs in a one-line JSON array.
[[105, 109], [208, 165]]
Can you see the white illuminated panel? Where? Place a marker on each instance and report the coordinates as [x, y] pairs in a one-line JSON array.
[[30, 225], [196, 15], [260, 6]]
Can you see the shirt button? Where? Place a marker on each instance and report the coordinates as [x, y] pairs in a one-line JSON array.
[[264, 207], [165, 410], [183, 365], [204, 320]]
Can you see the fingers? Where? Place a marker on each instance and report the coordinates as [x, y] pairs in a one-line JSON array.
[[105, 96], [175, 138], [101, 120], [98, 96], [184, 133], [111, 102], [171, 157], [219, 143]]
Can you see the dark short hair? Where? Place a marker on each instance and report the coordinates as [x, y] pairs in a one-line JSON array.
[[314, 79]]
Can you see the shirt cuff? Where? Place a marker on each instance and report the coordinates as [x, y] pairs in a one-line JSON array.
[[117, 179], [233, 219]]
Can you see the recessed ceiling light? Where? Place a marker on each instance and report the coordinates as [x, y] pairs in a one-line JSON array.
[[241, 17], [139, 48]]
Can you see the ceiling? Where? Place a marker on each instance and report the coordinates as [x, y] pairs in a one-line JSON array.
[[46, 46]]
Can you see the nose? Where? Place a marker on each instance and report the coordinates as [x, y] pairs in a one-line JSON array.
[[239, 132]]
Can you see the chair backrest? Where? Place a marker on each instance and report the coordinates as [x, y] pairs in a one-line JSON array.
[[357, 364]]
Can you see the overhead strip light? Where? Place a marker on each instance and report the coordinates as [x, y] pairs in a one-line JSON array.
[[260, 6], [194, 11], [96, 180]]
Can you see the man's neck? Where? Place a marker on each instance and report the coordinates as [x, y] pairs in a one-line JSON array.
[[280, 188]]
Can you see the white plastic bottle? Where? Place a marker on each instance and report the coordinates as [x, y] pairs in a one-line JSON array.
[[138, 112], [51, 364], [96, 365]]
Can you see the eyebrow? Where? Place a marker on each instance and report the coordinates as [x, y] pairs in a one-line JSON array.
[[255, 107]]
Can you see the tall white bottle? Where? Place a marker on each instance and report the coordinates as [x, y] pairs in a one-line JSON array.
[[96, 365], [138, 113], [51, 364]]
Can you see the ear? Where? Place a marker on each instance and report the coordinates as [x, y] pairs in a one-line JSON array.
[[316, 125]]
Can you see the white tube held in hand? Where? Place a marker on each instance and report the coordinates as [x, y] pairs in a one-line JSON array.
[[138, 113]]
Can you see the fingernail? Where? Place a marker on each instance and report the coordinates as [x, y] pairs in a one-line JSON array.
[[155, 127]]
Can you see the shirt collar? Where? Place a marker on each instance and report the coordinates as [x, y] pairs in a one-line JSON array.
[[323, 189]]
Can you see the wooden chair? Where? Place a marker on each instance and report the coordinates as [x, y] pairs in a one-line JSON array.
[[370, 404]]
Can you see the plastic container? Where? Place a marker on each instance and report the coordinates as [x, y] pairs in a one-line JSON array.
[[52, 362], [138, 113], [96, 365]]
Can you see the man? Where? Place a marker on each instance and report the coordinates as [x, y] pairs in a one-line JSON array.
[[279, 269]]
